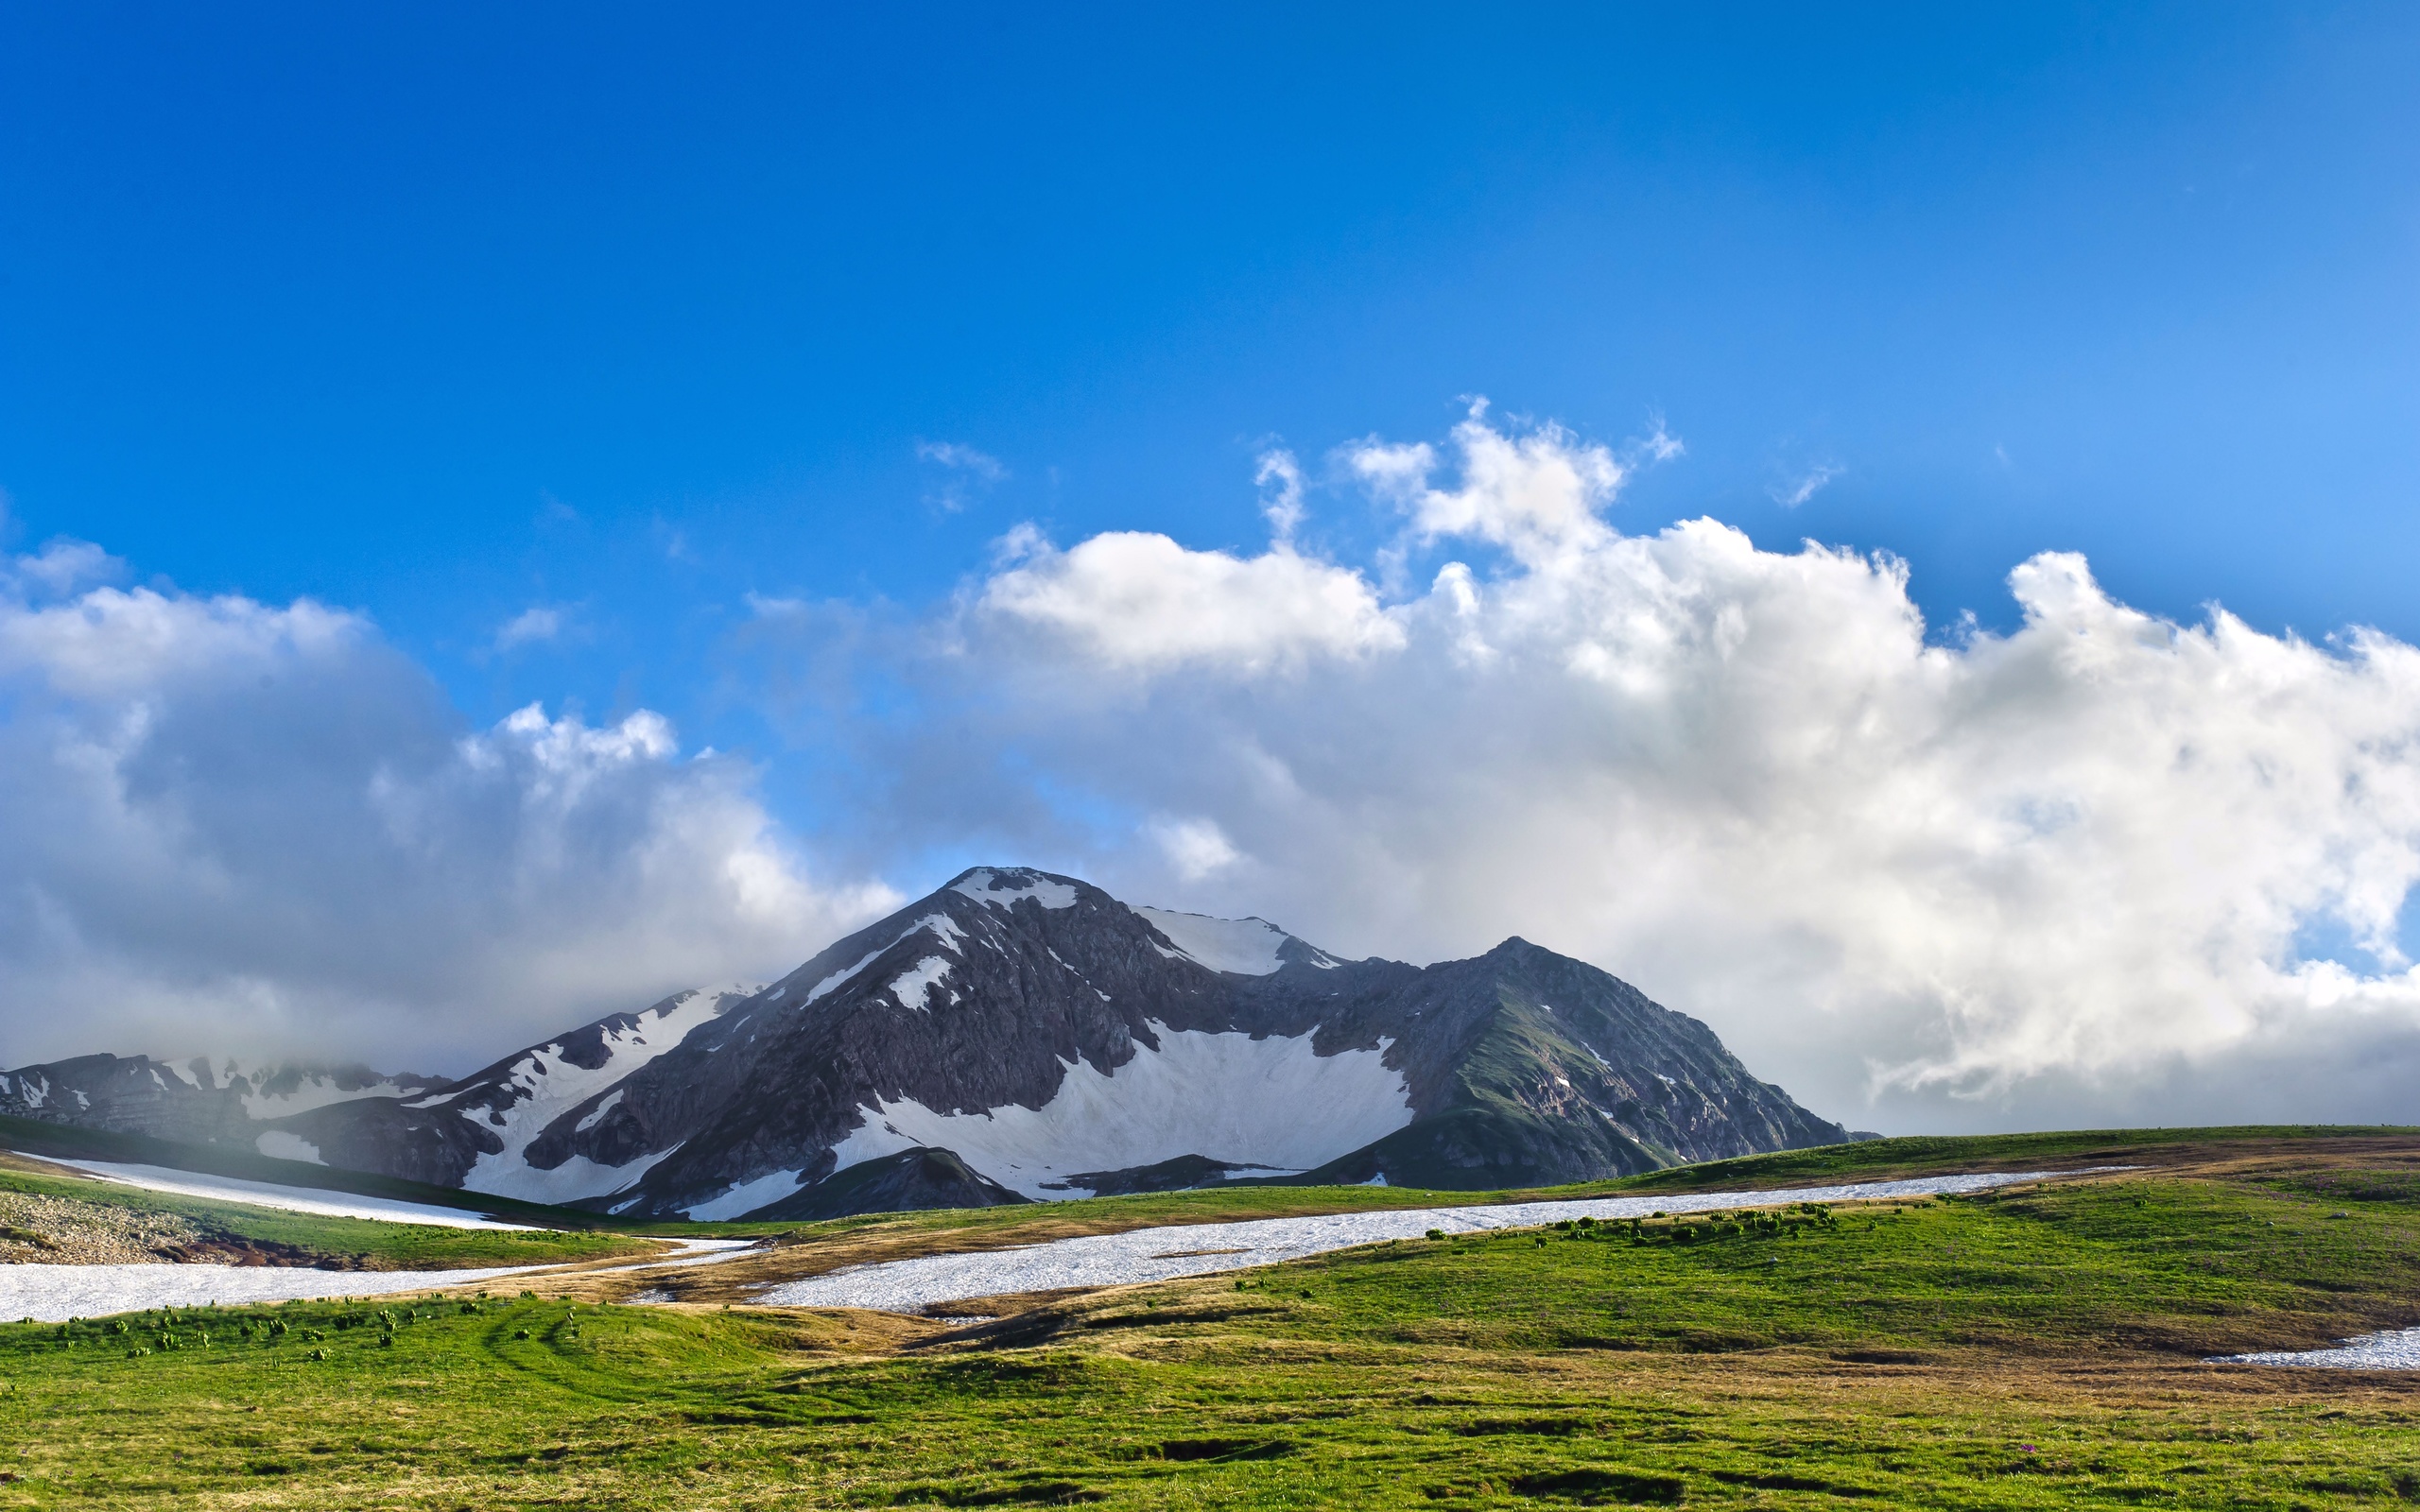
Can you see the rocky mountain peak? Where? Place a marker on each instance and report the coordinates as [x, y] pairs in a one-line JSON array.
[[1019, 1035]]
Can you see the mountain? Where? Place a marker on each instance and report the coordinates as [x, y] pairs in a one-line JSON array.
[[1019, 1035], [196, 1101]]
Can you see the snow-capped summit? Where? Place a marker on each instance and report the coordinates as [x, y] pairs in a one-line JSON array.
[[1019, 1035]]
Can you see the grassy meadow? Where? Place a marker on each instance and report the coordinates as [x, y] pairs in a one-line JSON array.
[[2043, 1347]]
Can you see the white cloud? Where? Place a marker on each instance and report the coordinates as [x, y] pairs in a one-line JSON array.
[[1195, 849], [1797, 491], [965, 473], [1660, 444], [1537, 494], [2058, 873], [1283, 508], [2067, 874], [1135, 602], [536, 622], [233, 825], [62, 567]]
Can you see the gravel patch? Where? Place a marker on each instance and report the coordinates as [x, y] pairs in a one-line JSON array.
[[1201, 1249], [64, 1231]]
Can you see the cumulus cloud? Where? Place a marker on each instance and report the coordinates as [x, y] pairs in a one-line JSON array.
[[1137, 602], [2066, 872], [235, 825], [2101, 868], [1536, 493]]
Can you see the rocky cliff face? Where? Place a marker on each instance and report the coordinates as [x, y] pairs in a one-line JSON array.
[[1019, 1035]]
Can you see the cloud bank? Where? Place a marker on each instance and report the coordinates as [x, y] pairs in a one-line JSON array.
[[234, 827], [2074, 871], [2103, 868]]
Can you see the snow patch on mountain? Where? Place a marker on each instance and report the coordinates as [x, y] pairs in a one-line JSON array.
[[279, 1145], [1247, 947], [745, 1196], [999, 890], [313, 1092], [841, 977], [1229, 1097], [576, 1178], [597, 1115], [549, 1087], [913, 987]]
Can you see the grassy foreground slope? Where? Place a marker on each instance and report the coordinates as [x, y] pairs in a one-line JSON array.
[[2043, 1347]]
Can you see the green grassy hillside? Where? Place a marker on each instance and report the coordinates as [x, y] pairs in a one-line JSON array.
[[2037, 1349]]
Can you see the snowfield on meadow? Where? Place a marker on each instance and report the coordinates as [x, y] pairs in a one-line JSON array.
[[1197, 1249], [270, 1194]]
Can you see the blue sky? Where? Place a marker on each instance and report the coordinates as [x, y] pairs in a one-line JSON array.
[[442, 314], [617, 325]]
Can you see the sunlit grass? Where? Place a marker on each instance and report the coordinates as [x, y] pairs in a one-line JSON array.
[[2038, 1349]]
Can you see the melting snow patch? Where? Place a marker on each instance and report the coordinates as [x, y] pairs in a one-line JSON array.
[[1228, 1097], [312, 1091], [550, 1086], [279, 1145], [745, 1196], [597, 1114], [839, 977], [914, 987], [691, 1253], [269, 1195], [1196, 1249], [54, 1294], [989, 889], [2397, 1350], [1247, 947]]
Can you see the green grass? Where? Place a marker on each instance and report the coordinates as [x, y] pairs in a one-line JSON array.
[[2033, 1349], [1881, 1159]]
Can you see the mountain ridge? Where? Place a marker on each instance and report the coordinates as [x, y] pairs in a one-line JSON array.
[[1018, 1035]]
